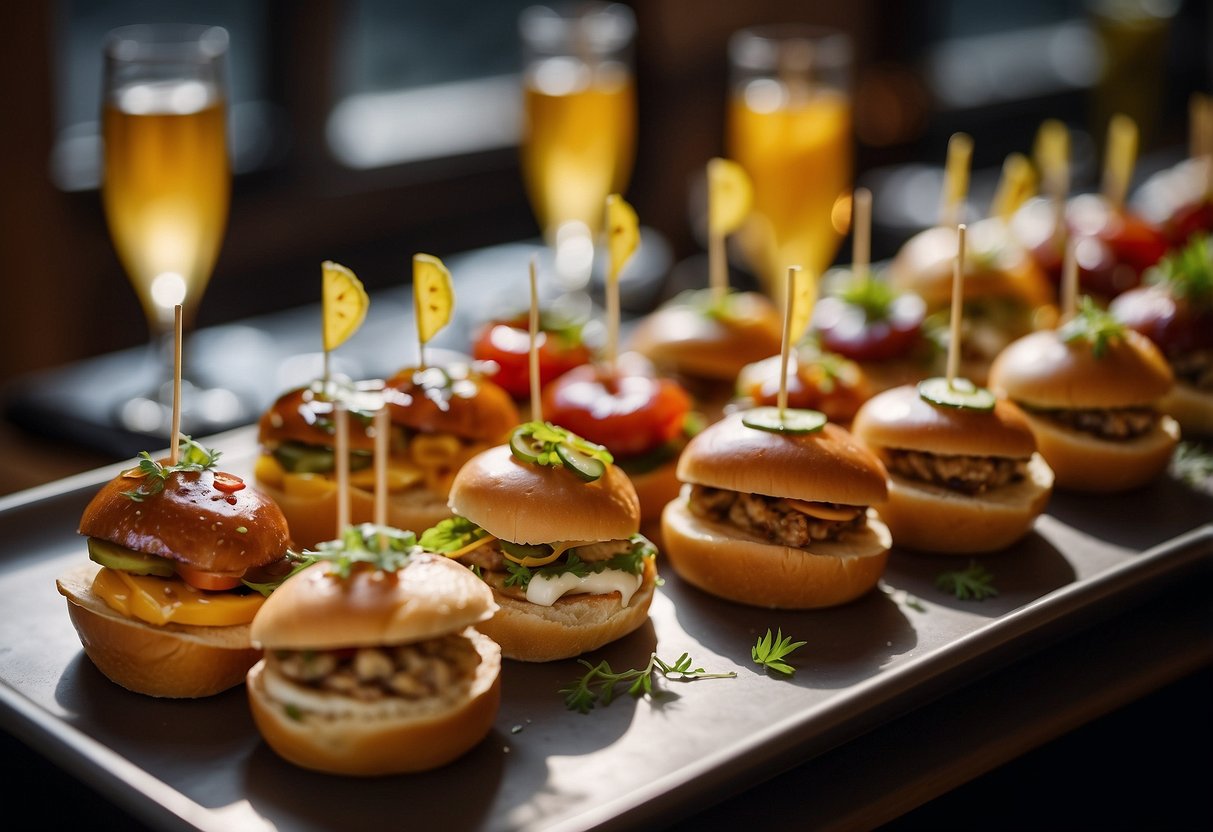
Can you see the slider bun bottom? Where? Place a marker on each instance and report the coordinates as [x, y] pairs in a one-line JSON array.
[[174, 661], [357, 745], [575, 624], [725, 562], [1085, 463], [1191, 407], [930, 518], [312, 520]]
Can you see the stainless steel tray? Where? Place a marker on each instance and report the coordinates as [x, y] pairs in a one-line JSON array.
[[202, 765]]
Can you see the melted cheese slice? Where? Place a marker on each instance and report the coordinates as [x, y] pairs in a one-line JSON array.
[[546, 591], [170, 600]]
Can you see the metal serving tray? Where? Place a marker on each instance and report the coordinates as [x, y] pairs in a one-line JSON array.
[[201, 764]]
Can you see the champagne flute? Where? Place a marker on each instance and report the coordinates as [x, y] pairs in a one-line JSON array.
[[579, 123], [166, 190], [789, 126]]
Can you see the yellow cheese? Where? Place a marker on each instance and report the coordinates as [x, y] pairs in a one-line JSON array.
[[307, 486], [269, 470], [475, 544], [400, 476], [431, 450], [161, 601], [824, 512]]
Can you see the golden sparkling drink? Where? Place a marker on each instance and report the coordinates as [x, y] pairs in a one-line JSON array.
[[167, 188], [796, 147], [579, 129]]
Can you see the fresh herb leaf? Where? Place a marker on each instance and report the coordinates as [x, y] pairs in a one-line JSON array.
[[1188, 272], [296, 560], [541, 441], [450, 535], [520, 576], [770, 652], [361, 544], [1192, 463], [597, 686], [1093, 324], [973, 583], [874, 296], [191, 456]]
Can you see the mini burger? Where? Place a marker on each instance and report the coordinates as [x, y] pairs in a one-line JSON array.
[[373, 665], [817, 380], [964, 473], [551, 525], [1091, 391], [703, 343], [776, 513], [182, 557]]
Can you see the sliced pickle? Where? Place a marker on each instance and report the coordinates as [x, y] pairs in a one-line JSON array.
[[794, 420], [128, 560], [583, 465], [961, 393]]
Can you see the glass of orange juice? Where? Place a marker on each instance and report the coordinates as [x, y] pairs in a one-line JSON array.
[[166, 189], [789, 125], [579, 123]]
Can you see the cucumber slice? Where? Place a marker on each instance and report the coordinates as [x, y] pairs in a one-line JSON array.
[[524, 446], [304, 459], [128, 560], [794, 420], [962, 394], [524, 550], [583, 465]]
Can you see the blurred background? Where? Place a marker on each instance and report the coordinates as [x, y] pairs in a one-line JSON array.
[[365, 131]]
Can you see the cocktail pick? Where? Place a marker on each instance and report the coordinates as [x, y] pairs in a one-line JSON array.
[[623, 235], [1119, 159], [175, 426], [730, 197], [861, 237], [957, 307], [1069, 282], [955, 178], [786, 347], [533, 357], [1051, 154], [344, 303], [341, 450], [1200, 136], [382, 425], [1016, 184], [433, 300]]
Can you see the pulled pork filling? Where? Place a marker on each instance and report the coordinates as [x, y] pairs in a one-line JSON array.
[[1114, 424], [774, 518], [427, 669], [966, 474], [1194, 368]]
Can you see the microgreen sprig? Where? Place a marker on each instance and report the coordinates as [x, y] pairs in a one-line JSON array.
[[974, 583], [191, 457], [1193, 464], [1188, 272], [360, 544], [597, 686], [1094, 324], [770, 652]]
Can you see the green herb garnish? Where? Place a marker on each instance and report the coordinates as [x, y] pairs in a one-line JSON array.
[[873, 296], [191, 457], [450, 535], [1188, 272], [1192, 464], [974, 583], [1094, 324], [360, 544], [542, 443], [631, 561], [769, 652], [597, 686], [278, 575]]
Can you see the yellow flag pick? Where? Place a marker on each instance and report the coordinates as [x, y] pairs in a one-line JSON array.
[[343, 302], [433, 295], [623, 234]]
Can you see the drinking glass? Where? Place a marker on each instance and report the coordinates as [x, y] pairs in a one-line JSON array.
[[579, 123], [166, 188], [789, 126]]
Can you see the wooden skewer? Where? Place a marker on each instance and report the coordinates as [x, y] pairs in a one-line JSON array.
[[955, 178], [1120, 156], [342, 451], [382, 428], [1069, 282], [533, 359], [957, 306], [861, 243], [417, 326], [174, 453], [718, 271], [785, 349]]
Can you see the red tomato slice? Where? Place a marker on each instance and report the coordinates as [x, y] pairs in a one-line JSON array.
[[509, 346], [201, 579], [630, 413], [228, 483]]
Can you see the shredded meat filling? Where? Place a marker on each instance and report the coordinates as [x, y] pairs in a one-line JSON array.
[[769, 517], [411, 671], [1194, 368], [1115, 424], [967, 474]]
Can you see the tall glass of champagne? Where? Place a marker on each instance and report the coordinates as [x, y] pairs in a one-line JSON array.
[[579, 123], [789, 126], [166, 188]]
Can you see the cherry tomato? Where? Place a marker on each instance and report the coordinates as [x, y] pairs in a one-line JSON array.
[[1171, 323], [509, 346], [1189, 220], [630, 412], [228, 483], [845, 328], [201, 579]]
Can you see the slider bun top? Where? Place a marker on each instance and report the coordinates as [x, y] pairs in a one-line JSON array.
[[302, 415], [453, 400], [1044, 371], [995, 266], [824, 466], [900, 418], [525, 503], [430, 596], [190, 521]]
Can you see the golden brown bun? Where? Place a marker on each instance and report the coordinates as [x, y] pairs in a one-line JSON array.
[[902, 419], [826, 466], [469, 405], [725, 561], [679, 337], [1191, 407], [575, 624], [656, 488], [173, 660], [526, 503], [930, 518], [1083, 462], [995, 266], [1044, 371], [190, 521], [300, 415], [368, 744], [314, 519]]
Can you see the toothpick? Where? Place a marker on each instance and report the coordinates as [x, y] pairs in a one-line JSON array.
[[718, 270], [1120, 156], [612, 304], [1200, 137], [957, 305], [786, 347], [417, 327], [342, 452], [175, 429], [1015, 185], [955, 178], [382, 427], [1069, 282], [861, 243], [536, 405]]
